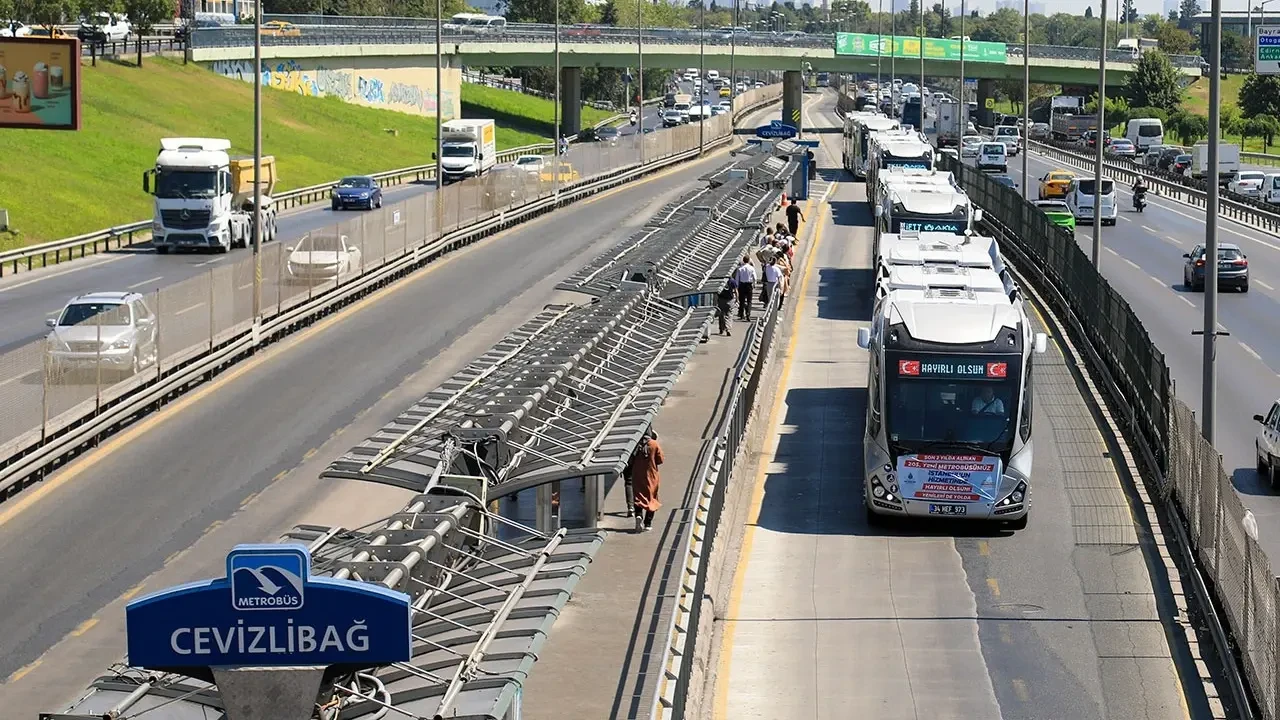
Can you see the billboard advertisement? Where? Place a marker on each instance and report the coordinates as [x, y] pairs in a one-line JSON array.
[[40, 83], [909, 47]]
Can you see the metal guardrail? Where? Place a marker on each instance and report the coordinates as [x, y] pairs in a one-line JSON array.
[[118, 48], [367, 30], [1260, 158], [233, 333], [51, 253]]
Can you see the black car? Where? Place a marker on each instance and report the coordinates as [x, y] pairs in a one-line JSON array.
[[357, 191], [607, 134], [1233, 268], [1006, 181], [588, 134], [1168, 157]]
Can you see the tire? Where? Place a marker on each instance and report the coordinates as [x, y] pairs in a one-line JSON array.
[[1020, 523], [1273, 477], [162, 249], [1244, 287], [1262, 463], [224, 249], [1198, 287], [379, 202]]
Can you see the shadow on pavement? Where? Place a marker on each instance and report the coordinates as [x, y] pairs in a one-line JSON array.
[[845, 294]]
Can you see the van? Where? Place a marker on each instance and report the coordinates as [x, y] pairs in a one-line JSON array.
[[1145, 132], [1009, 135], [1271, 189], [1080, 200], [713, 75], [993, 156]]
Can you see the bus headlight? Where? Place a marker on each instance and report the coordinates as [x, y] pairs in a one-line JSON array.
[[1017, 496], [877, 490]]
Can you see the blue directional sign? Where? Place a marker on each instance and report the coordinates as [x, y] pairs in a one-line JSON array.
[[269, 612], [776, 130]]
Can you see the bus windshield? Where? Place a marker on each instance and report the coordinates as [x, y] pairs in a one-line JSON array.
[[933, 399]]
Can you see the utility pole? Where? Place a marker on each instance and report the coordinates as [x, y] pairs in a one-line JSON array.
[[964, 101], [1099, 142], [439, 122], [1209, 381], [257, 161], [1026, 92]]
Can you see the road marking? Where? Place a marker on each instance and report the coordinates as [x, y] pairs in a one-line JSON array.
[[1124, 218], [1113, 252], [23, 671], [58, 273], [1020, 689], [1262, 284], [188, 309], [1173, 240], [757, 492], [1250, 350], [16, 378], [128, 594], [84, 627], [150, 281], [245, 502], [1156, 280], [1132, 264], [1150, 229], [1183, 299], [994, 585], [208, 262], [245, 286], [984, 548], [312, 452]]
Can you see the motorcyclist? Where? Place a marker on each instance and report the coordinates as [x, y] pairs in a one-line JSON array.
[[564, 146], [1140, 190], [633, 117]]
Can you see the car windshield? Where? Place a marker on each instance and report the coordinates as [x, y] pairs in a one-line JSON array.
[[320, 243], [458, 151], [1150, 131], [947, 399], [1051, 207], [89, 313], [1085, 187], [355, 182], [607, 132], [529, 160], [171, 184], [992, 149], [1229, 254], [1182, 159], [1121, 144]]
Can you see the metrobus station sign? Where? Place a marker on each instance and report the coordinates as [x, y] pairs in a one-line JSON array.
[[1267, 51], [869, 45], [269, 612], [776, 130]]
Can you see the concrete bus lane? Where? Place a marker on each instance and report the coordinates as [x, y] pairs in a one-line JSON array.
[[1142, 259], [830, 617], [239, 459]]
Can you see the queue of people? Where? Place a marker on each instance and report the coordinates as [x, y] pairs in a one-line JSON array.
[[771, 281]]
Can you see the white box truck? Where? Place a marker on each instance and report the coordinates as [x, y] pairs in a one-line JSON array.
[[1228, 161], [204, 196], [947, 122], [470, 149]]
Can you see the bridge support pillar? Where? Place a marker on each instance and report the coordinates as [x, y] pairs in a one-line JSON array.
[[570, 100], [986, 91], [593, 499], [546, 507], [792, 97]]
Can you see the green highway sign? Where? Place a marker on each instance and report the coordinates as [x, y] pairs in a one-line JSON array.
[[864, 45], [1269, 53]]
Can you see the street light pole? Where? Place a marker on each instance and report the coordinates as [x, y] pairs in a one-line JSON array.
[[921, 5], [1209, 381], [257, 161], [879, 50], [555, 176], [964, 101], [702, 76], [1026, 91], [1098, 141], [640, 76], [439, 121], [893, 47], [733, 48]]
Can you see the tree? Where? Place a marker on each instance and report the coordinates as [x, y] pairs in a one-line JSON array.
[[144, 14], [1236, 51], [1174, 40], [1188, 10], [1003, 25], [1260, 94], [1189, 126], [1268, 126], [1088, 12], [1154, 82], [43, 12], [544, 11]]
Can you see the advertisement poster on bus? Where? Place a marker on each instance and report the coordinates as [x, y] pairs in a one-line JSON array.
[[909, 47], [40, 83], [949, 478]]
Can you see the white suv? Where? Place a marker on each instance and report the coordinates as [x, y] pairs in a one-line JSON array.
[[1268, 444], [993, 156], [111, 331]]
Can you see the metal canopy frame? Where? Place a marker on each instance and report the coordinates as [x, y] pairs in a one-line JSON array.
[[482, 608], [568, 394]]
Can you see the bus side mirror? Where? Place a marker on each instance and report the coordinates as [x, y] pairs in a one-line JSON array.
[[977, 215], [146, 182], [1042, 343], [864, 338]]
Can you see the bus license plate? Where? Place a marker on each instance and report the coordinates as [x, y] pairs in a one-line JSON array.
[[947, 509]]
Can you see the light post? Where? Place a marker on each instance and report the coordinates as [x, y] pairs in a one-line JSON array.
[[733, 49], [703, 110], [640, 75], [257, 161], [964, 100], [555, 175], [921, 6], [1098, 141], [1262, 12], [879, 50], [1209, 381], [439, 121], [1026, 91]]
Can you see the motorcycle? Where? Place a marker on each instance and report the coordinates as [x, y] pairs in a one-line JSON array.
[[633, 119], [1140, 200]]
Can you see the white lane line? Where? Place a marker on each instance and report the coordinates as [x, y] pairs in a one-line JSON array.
[[1263, 284], [74, 266], [208, 262], [1150, 229], [1183, 299], [1131, 263], [1124, 218], [1156, 280], [150, 281], [1251, 351], [188, 309], [1113, 252], [17, 378], [1173, 240]]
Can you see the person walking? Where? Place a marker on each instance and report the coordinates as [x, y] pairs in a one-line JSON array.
[[724, 301], [745, 275], [794, 216], [644, 474], [772, 279]]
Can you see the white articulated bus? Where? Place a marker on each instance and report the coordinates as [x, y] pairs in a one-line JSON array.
[[918, 208], [898, 149], [948, 431], [858, 129]]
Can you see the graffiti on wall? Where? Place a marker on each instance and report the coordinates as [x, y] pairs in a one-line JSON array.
[[390, 88]]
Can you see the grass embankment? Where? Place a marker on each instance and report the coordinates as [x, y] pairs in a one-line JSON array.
[[527, 113], [60, 184]]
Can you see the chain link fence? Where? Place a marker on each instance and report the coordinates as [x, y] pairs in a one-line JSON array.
[[89, 361]]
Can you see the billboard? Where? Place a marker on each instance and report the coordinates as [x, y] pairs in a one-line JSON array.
[[909, 47], [40, 83], [1267, 51]]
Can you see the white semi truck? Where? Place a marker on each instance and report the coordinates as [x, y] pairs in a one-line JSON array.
[[469, 149], [204, 196]]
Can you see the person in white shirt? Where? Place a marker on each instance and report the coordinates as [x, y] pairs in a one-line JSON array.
[[987, 403], [746, 277], [772, 278]]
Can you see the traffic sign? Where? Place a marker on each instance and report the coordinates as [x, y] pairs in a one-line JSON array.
[[269, 612], [1267, 50], [776, 130], [990, 103]]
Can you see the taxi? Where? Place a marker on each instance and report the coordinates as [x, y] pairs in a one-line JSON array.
[[563, 172], [280, 28], [1055, 183]]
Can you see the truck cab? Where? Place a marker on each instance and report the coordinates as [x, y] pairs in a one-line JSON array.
[[204, 196], [468, 149]]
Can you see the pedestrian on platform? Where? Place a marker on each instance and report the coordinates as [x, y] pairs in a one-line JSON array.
[[772, 280], [746, 277], [794, 216], [644, 474], [724, 301]]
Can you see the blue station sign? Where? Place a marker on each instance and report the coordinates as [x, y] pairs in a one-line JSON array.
[[269, 612], [776, 130]]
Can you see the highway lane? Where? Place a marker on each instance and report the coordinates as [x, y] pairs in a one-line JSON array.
[[1142, 258], [831, 617], [103, 526]]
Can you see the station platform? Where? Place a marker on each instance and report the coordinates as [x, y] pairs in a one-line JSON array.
[[829, 617]]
